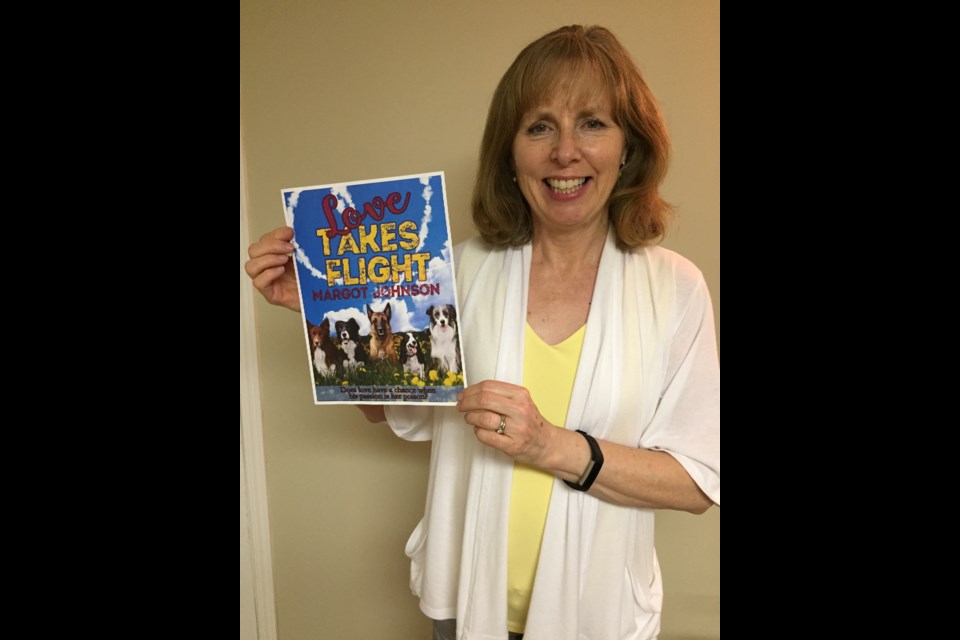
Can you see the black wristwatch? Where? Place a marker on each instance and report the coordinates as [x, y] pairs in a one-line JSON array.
[[593, 467]]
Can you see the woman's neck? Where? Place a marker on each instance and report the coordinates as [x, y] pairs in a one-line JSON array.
[[563, 273], [569, 251]]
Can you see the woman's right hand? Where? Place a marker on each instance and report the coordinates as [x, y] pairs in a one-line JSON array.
[[271, 268]]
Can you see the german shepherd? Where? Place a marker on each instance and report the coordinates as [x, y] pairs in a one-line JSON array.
[[381, 335]]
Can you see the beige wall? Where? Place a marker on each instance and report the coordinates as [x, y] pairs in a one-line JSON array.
[[343, 90]]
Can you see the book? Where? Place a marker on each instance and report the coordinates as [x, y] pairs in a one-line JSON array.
[[374, 265]]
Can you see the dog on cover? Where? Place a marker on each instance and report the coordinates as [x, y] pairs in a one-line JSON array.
[[348, 333], [327, 358], [411, 355], [381, 334], [444, 338]]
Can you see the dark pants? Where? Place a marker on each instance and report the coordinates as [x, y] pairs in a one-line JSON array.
[[447, 630]]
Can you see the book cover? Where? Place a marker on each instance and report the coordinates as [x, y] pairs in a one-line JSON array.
[[374, 263]]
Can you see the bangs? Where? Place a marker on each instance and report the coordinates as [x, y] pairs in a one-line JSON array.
[[577, 75]]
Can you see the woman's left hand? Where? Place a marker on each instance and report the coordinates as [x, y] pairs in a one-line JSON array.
[[526, 433]]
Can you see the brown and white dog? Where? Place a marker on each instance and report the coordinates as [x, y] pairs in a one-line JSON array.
[[326, 357], [444, 342], [381, 335]]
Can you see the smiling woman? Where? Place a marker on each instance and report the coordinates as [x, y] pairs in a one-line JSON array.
[[567, 204], [569, 103], [591, 352], [567, 158]]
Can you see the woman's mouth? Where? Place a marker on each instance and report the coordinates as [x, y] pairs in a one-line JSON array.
[[565, 186]]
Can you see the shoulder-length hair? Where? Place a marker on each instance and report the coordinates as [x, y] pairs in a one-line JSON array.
[[561, 61]]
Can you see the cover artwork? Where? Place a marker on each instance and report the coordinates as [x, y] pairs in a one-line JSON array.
[[374, 264]]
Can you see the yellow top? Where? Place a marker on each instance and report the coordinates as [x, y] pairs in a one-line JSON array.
[[548, 373]]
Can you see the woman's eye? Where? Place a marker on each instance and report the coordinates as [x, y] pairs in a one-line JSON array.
[[537, 128], [593, 123]]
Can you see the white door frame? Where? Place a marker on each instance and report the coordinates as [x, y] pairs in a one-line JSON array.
[[253, 468]]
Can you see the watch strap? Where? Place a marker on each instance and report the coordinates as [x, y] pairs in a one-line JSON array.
[[593, 467]]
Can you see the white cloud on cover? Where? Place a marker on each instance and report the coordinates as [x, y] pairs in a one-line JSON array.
[[347, 313], [305, 261], [298, 252], [427, 211], [400, 316], [343, 196]]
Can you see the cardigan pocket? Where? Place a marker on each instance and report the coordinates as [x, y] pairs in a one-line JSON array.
[[416, 551], [641, 604], [647, 593]]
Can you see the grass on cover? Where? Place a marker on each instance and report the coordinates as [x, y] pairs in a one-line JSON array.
[[385, 372]]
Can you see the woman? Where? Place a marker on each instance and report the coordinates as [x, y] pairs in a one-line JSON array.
[[599, 393]]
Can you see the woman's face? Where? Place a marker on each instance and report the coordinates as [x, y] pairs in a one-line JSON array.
[[567, 155]]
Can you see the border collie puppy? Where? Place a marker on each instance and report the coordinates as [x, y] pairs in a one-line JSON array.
[[349, 334], [444, 338], [411, 355]]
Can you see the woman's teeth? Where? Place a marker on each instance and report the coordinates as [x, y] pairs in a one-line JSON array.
[[565, 186]]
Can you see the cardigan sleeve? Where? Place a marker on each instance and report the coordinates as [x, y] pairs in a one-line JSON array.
[[410, 422], [686, 423]]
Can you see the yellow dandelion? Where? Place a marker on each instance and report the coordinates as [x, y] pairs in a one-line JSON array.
[[433, 375], [448, 382], [345, 382], [420, 383]]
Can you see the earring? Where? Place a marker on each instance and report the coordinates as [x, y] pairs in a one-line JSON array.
[[514, 177]]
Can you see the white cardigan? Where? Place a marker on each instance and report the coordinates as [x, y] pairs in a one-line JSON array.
[[648, 376]]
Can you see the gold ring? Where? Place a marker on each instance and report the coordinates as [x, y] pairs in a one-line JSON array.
[[503, 425]]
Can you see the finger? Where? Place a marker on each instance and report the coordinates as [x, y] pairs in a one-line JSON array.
[[280, 233], [500, 423], [487, 421], [491, 438], [483, 420], [284, 233], [494, 387], [268, 245], [476, 392], [491, 395], [267, 278], [485, 401], [256, 266]]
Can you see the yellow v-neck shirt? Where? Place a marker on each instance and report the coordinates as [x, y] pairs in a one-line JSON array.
[[548, 373]]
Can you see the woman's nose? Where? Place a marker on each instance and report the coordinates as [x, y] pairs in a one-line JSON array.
[[565, 149]]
